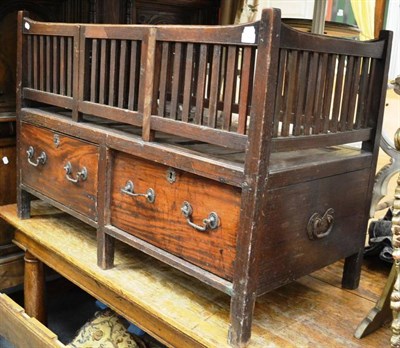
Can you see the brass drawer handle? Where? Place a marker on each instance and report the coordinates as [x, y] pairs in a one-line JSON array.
[[129, 190], [210, 223], [80, 176], [320, 226], [39, 160]]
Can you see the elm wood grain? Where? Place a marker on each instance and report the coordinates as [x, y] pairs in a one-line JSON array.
[[162, 223], [146, 292], [314, 197], [320, 140], [105, 244], [50, 178], [293, 39], [256, 177], [34, 285], [146, 90], [231, 173], [200, 132], [48, 98], [178, 263], [19, 328], [230, 35], [254, 173], [110, 112]]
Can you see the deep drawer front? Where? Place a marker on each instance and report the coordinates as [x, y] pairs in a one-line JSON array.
[[50, 178], [162, 223], [289, 252]]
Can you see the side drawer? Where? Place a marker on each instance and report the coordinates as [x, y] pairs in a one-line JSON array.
[[163, 224], [289, 252], [19, 328], [48, 174]]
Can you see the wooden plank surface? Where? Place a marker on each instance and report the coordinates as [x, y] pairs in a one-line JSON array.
[[181, 311]]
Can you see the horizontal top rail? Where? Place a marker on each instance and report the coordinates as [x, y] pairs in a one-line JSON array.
[[201, 79]]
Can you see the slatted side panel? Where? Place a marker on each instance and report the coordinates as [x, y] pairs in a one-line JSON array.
[[50, 64], [204, 84], [321, 93], [113, 72]]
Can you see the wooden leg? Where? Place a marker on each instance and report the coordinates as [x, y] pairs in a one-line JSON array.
[[105, 250], [242, 308], [381, 313], [23, 204], [34, 288], [352, 271]]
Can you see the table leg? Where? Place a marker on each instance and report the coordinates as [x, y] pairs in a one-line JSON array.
[[34, 288]]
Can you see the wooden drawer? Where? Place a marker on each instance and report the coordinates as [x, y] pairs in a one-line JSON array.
[[19, 328], [50, 178], [289, 252], [163, 224]]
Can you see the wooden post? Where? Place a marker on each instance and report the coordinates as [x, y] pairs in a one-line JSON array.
[[23, 198], [34, 288], [256, 178]]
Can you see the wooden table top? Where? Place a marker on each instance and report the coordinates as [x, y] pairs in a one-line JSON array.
[[181, 311]]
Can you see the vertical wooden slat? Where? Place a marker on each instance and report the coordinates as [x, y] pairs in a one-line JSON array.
[[187, 90], [111, 86], [216, 64], [163, 78], [122, 70], [56, 64], [201, 80], [310, 96], [290, 92], [320, 89], [132, 75], [156, 83], [81, 58], [301, 94], [93, 72], [229, 86], [41, 62], [102, 63], [35, 62], [29, 61], [69, 66], [244, 90], [279, 91], [62, 65], [362, 93], [175, 80], [354, 88], [347, 92], [48, 62], [146, 92], [330, 78], [252, 76], [338, 94]]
